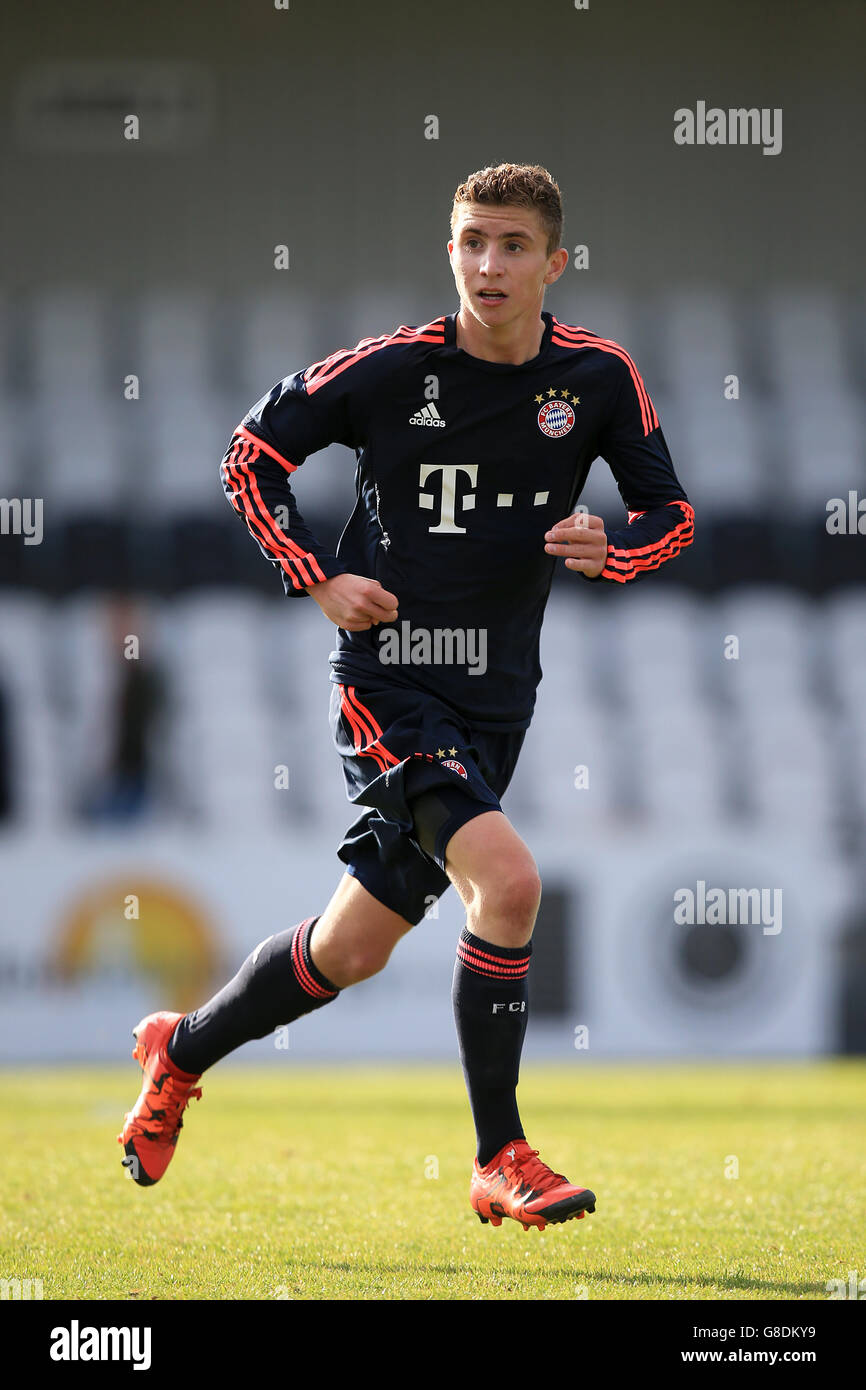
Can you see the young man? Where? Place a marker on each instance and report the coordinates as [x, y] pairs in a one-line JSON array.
[[474, 435]]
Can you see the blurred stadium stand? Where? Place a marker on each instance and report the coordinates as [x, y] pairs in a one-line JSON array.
[[131, 489], [638, 694], [142, 314], [645, 726], [638, 691], [133, 504]]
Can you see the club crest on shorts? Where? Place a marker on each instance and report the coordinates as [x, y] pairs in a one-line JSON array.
[[555, 418], [453, 765]]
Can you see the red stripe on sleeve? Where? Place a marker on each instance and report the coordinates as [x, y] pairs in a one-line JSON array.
[[260, 444], [322, 372], [623, 564], [566, 336]]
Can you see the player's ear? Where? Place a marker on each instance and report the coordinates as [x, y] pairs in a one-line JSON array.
[[556, 265]]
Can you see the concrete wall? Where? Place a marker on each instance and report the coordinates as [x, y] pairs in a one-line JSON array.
[[315, 138]]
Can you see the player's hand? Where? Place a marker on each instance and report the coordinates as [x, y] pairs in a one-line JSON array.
[[582, 540], [353, 602]]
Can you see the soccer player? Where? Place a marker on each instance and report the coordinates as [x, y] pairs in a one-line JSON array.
[[474, 435]]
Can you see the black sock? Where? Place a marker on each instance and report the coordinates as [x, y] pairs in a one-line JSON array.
[[276, 984], [489, 994]]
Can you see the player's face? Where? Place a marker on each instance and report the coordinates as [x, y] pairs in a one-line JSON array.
[[501, 263]]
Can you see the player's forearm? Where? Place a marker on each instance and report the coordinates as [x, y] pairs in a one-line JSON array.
[[257, 486], [651, 539]]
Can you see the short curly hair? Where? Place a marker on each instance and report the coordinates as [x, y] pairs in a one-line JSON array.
[[517, 185]]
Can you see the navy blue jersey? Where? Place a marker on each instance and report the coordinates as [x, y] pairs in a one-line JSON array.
[[462, 466]]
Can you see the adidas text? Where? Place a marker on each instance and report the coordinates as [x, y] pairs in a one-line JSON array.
[[429, 416]]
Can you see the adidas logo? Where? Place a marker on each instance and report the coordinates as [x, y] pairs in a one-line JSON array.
[[428, 416]]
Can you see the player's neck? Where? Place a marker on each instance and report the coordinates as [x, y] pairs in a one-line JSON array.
[[513, 342]]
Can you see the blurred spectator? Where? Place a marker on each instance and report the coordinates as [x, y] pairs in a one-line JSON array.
[[123, 789], [5, 758], [852, 980]]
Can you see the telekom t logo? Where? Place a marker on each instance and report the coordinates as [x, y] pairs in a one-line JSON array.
[[448, 504]]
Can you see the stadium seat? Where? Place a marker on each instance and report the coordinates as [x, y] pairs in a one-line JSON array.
[[273, 337], [805, 338], [70, 345]]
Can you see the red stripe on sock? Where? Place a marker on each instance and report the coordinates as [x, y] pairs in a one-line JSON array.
[[497, 968], [305, 979]]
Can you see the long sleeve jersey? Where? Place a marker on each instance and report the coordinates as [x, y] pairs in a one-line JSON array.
[[462, 465]]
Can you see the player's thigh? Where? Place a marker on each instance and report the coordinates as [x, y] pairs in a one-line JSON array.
[[493, 869], [355, 935]]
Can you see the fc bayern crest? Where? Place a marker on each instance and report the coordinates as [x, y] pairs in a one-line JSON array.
[[555, 418], [453, 766]]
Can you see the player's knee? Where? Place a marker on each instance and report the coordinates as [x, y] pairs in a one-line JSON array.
[[362, 960], [511, 897]]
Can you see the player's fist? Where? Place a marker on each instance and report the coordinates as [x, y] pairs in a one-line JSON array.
[[353, 602], [582, 541]]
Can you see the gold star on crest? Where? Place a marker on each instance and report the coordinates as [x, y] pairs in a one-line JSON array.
[[551, 392], [440, 752], [453, 752], [539, 399]]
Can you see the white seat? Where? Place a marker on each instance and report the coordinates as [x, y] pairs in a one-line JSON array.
[[86, 470], [82, 650], [771, 624], [701, 338], [843, 630], [25, 638], [721, 446], [683, 797], [609, 313], [41, 793], [274, 340], [787, 749], [568, 765], [17, 432], [823, 431], [173, 348], [219, 628], [69, 329], [656, 649], [805, 338], [184, 438]]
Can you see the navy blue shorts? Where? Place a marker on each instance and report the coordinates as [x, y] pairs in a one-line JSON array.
[[423, 772]]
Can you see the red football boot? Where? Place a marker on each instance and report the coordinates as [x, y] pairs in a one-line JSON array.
[[516, 1183], [150, 1130]]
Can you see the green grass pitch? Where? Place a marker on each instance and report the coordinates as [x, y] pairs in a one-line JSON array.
[[322, 1183]]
